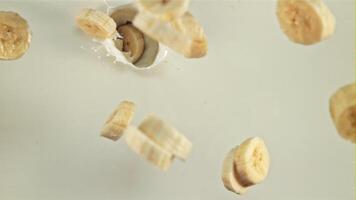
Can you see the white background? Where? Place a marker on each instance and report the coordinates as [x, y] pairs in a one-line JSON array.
[[253, 82]]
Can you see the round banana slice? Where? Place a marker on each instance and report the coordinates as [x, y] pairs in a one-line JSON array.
[[228, 176], [119, 120], [96, 24], [15, 36], [343, 111], [166, 136], [184, 35], [165, 9], [305, 21], [148, 149], [252, 162], [133, 41]]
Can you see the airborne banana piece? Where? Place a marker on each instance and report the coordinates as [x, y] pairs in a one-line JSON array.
[[119, 120], [166, 136], [229, 176], [305, 21], [15, 36], [343, 111], [148, 149], [133, 41], [252, 162], [96, 24], [184, 35], [165, 9]]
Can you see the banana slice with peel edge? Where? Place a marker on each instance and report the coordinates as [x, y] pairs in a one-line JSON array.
[[164, 9], [343, 111], [96, 23], [166, 136], [250, 165], [15, 35], [118, 121], [184, 35], [148, 149], [305, 21]]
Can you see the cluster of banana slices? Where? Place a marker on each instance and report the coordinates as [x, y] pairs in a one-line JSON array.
[[154, 139], [245, 165], [15, 35], [305, 22], [343, 111]]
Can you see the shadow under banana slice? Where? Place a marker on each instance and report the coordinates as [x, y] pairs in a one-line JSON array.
[[15, 35]]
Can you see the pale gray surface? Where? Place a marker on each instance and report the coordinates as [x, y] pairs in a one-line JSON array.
[[253, 82]]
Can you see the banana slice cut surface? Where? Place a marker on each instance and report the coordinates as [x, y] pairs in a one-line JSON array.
[[166, 136], [343, 111], [133, 41], [96, 23], [15, 36], [305, 21], [119, 120], [148, 149], [165, 9]]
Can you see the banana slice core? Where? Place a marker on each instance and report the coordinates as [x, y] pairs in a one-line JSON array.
[[133, 41]]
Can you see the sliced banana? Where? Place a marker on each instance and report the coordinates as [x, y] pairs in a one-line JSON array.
[[305, 21], [118, 121], [133, 41], [166, 136], [184, 35], [148, 149], [165, 9], [343, 111], [229, 176], [252, 162], [96, 23], [15, 36]]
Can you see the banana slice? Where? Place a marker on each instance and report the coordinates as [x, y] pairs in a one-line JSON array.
[[165, 9], [148, 149], [96, 23], [166, 136], [184, 35], [118, 121], [305, 21], [252, 162], [133, 41], [15, 36], [229, 176], [343, 111]]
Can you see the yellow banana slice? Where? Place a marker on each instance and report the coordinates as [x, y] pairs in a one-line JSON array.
[[252, 162], [305, 21], [96, 24], [148, 149], [228, 176], [166, 136], [184, 35], [15, 36], [119, 121], [165, 9], [343, 111], [133, 41]]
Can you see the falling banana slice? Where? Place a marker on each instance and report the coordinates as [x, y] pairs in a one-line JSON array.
[[15, 36], [166, 136], [148, 149], [246, 165], [252, 162], [343, 111], [165, 9], [305, 21], [96, 24], [133, 41], [229, 176], [184, 35], [119, 120]]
